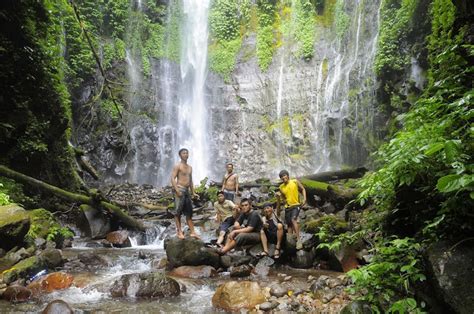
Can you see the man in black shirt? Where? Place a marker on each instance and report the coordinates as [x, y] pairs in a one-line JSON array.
[[246, 228]]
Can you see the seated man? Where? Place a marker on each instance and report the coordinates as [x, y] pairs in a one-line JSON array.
[[272, 231], [246, 228], [227, 211]]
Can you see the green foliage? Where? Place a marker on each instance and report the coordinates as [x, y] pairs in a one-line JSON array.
[[206, 193], [222, 57], [265, 34], [224, 20], [44, 225], [341, 20], [390, 276], [305, 31], [4, 197], [396, 18]]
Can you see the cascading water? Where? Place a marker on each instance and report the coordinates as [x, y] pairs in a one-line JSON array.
[[192, 110]]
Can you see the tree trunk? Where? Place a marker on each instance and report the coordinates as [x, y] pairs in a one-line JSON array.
[[74, 197]]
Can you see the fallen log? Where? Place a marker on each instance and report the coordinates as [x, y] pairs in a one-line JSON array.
[[74, 197], [336, 175], [144, 205]]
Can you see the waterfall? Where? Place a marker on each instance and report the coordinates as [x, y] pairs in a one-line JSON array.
[[192, 110]]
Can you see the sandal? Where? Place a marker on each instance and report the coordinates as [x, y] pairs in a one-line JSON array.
[[277, 253], [262, 254]]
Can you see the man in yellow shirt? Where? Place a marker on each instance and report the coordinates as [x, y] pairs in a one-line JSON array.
[[289, 195]]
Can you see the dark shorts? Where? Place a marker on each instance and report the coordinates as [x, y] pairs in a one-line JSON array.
[[226, 224], [229, 195], [183, 204], [247, 238], [272, 235], [291, 213]]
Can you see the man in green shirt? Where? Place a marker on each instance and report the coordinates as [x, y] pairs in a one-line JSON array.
[[227, 211]]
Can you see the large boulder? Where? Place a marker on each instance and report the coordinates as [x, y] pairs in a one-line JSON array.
[[15, 293], [93, 223], [451, 273], [190, 252], [58, 307], [145, 285], [302, 259], [119, 238], [194, 272], [23, 269], [52, 258], [14, 224], [51, 282], [236, 295]]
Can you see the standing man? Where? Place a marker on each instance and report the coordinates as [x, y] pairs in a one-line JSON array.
[[227, 211], [230, 183], [182, 182], [246, 228], [289, 194]]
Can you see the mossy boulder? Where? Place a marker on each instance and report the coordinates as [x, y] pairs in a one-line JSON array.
[[336, 193], [14, 224], [336, 224], [23, 269], [44, 225]]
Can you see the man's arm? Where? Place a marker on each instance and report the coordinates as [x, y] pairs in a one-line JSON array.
[[174, 174], [303, 191], [191, 184], [236, 184]]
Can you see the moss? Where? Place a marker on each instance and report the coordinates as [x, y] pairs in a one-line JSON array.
[[24, 268], [336, 225], [44, 225], [222, 57], [315, 185]]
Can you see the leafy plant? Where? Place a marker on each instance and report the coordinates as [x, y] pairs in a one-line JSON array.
[[4, 198]]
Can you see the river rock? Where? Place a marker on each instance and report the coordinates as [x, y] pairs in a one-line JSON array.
[[145, 285], [16, 293], [194, 272], [357, 307], [58, 307], [451, 273], [302, 259], [93, 223], [263, 266], [236, 295], [14, 224], [93, 260], [190, 252], [268, 306], [51, 282], [240, 271], [52, 258], [278, 291], [24, 268], [119, 238]]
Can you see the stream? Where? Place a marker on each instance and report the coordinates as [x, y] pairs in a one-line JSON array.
[[90, 290]]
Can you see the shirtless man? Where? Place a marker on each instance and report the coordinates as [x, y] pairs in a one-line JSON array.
[[230, 183], [182, 182]]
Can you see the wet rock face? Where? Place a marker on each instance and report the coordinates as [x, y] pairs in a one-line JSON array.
[[119, 238], [233, 295], [51, 282], [190, 252], [452, 274], [194, 272], [58, 307], [24, 268], [145, 285], [16, 293], [14, 224]]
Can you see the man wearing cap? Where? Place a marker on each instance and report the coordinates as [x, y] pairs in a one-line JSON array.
[[226, 211], [289, 195], [246, 228], [272, 231]]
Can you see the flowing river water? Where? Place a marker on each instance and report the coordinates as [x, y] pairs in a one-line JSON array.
[[90, 290]]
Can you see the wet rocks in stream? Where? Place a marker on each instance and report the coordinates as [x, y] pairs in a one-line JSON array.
[[145, 285]]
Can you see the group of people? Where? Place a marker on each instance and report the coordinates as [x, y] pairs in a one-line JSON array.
[[239, 223]]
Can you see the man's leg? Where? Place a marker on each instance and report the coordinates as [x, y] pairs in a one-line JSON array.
[[280, 232], [228, 246], [220, 239], [179, 232], [190, 223], [264, 240]]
